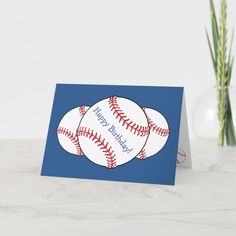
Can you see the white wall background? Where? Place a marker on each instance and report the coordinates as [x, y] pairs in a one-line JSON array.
[[146, 42]]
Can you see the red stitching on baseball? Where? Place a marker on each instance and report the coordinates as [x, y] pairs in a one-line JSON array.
[[101, 143], [120, 115], [82, 110], [72, 137], [155, 128], [181, 153], [142, 155]]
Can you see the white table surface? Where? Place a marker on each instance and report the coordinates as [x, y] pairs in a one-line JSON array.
[[203, 202]]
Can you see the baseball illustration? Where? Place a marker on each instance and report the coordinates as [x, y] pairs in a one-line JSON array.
[[66, 131], [181, 156], [159, 133], [113, 131]]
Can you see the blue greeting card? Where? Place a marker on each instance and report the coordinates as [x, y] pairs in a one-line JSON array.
[[119, 133]]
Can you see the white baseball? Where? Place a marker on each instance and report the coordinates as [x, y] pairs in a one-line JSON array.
[[159, 133], [181, 156], [66, 131], [113, 131]]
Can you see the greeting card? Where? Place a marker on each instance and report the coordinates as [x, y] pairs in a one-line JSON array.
[[119, 133]]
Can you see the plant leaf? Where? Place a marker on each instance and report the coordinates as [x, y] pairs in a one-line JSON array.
[[229, 65], [231, 44], [229, 131], [215, 29], [230, 70], [212, 54]]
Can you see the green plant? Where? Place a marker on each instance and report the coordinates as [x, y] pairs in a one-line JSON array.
[[222, 64]]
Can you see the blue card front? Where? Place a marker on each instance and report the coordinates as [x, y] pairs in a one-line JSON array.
[[114, 132]]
